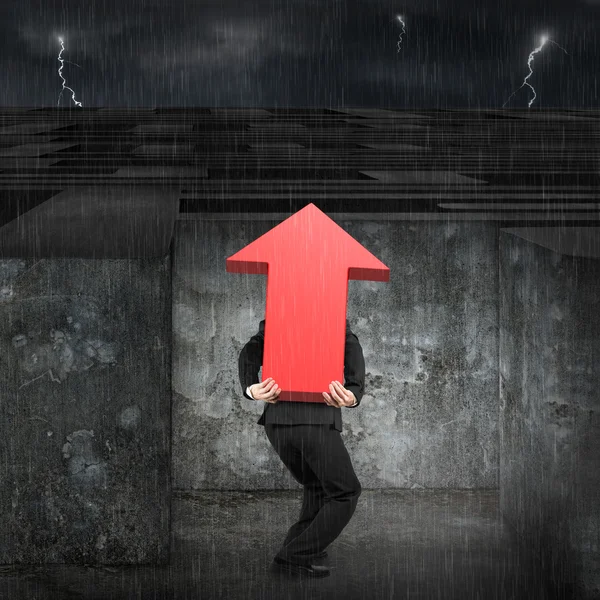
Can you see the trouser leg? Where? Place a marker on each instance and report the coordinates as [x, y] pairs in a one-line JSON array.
[[311, 504], [314, 495], [323, 450]]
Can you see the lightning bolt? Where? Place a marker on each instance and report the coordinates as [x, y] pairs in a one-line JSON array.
[[402, 32], [529, 61], [62, 64]]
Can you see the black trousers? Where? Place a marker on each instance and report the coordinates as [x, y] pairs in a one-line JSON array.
[[317, 458]]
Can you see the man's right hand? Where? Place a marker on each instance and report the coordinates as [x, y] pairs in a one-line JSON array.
[[267, 391]]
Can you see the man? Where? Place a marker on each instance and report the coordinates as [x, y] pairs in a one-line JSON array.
[[306, 436]]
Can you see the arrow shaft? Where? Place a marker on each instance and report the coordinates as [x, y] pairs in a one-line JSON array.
[[309, 352]]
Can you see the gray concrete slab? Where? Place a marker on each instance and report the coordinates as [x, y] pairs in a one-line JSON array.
[[276, 146], [424, 545], [276, 125], [31, 128], [245, 113], [386, 124], [84, 411], [395, 147], [95, 222], [549, 402], [25, 163], [164, 127], [423, 177], [36, 149], [161, 171], [163, 149], [575, 241], [381, 113]]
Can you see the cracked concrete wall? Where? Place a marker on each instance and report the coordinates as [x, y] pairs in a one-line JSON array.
[[550, 409], [85, 392], [429, 416]]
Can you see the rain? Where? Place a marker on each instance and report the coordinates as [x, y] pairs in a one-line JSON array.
[[299, 300]]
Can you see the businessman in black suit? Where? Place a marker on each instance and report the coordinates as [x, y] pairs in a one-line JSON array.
[[306, 436]]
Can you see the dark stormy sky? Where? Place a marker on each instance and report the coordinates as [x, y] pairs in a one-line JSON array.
[[302, 53]]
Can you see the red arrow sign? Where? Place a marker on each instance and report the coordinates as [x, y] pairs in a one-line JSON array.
[[308, 259]]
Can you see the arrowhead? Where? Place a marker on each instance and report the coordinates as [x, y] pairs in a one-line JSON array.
[[308, 237]]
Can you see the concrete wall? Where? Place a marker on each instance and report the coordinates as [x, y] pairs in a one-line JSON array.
[[429, 416], [550, 409], [85, 390]]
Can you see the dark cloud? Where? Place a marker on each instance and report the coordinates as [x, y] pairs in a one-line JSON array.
[[318, 52]]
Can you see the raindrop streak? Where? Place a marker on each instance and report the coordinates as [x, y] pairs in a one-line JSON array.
[[62, 64], [529, 61], [402, 32]]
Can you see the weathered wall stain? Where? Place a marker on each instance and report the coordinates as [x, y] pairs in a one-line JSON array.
[[85, 399]]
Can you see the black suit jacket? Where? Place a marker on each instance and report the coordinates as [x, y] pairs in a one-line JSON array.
[[295, 413]]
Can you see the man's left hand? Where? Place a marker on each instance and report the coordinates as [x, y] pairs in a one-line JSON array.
[[340, 396]]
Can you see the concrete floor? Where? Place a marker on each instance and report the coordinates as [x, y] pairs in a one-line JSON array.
[[423, 544]]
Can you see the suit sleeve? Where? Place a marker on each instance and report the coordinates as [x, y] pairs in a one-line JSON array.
[[354, 368], [250, 362]]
